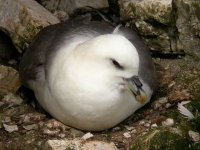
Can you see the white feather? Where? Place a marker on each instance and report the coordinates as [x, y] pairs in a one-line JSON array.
[[184, 111]]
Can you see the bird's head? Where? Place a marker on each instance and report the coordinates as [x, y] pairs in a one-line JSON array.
[[95, 67], [108, 62]]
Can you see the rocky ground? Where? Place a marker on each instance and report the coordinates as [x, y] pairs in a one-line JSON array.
[[170, 121], [158, 125]]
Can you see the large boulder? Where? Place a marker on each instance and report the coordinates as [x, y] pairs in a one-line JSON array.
[[23, 19], [69, 6], [167, 26]]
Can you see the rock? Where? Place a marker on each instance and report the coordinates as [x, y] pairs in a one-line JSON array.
[[98, 145], [10, 128], [9, 79], [167, 26], [30, 127], [168, 122], [127, 135], [188, 26], [194, 136], [87, 136], [12, 99], [129, 128], [52, 132], [23, 20], [32, 117], [62, 145], [77, 144], [153, 20], [70, 6], [163, 100], [154, 125]]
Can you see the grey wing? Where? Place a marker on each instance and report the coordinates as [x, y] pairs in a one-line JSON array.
[[146, 67]]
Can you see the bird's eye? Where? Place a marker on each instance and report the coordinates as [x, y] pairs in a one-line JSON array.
[[116, 64]]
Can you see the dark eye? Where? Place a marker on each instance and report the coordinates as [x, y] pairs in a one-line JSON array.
[[116, 64]]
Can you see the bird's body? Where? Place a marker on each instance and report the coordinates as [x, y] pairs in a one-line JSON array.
[[80, 73]]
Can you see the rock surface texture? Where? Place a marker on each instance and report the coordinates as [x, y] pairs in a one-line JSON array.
[[9, 80], [23, 19], [69, 6], [166, 25]]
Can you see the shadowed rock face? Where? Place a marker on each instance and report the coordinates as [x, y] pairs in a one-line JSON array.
[[23, 19], [166, 25]]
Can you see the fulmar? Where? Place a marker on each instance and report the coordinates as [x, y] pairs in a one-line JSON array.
[[89, 74]]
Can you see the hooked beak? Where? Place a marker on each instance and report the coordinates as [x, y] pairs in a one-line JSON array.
[[134, 86]]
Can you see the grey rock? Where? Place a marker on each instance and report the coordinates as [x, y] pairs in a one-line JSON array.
[[166, 26], [10, 128], [78, 144], [9, 80], [70, 6], [23, 19]]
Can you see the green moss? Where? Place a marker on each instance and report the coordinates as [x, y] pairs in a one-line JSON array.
[[161, 140]]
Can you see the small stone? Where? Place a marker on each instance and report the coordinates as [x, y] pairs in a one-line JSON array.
[[87, 136], [147, 124], [134, 131], [127, 135], [154, 125], [12, 99], [194, 136], [51, 132], [168, 122], [142, 122], [61, 135], [168, 105], [116, 129], [31, 127], [32, 117], [54, 124], [163, 100], [9, 77], [10, 128], [129, 128], [98, 145], [156, 105]]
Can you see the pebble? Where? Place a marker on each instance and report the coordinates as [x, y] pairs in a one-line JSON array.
[[142, 122], [134, 131], [168, 105], [127, 135], [31, 127], [168, 122], [147, 124], [87, 136], [154, 125], [194, 136], [51, 132], [116, 129], [163, 100], [129, 128], [10, 128]]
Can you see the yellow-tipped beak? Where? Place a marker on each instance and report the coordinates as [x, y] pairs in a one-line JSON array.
[[134, 86], [142, 98]]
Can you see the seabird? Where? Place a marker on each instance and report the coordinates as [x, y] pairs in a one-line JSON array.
[[89, 74]]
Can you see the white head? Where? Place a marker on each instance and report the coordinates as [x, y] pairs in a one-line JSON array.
[[96, 67]]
